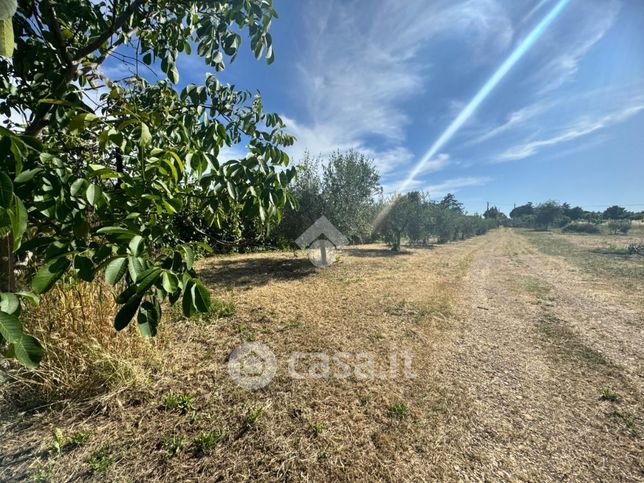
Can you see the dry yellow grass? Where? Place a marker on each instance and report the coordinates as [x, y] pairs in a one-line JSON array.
[[509, 384], [86, 357]]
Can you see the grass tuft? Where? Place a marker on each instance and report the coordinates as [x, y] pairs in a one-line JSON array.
[[175, 444], [608, 395], [398, 410], [101, 459], [252, 416], [222, 308], [206, 442], [179, 402]]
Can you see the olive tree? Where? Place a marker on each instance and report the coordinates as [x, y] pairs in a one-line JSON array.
[[93, 175]]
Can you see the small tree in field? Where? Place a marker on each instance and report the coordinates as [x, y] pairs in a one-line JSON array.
[[546, 214], [619, 226], [615, 213], [91, 179], [396, 220], [350, 183]]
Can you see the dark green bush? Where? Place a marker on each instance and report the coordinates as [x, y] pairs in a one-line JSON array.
[[581, 228]]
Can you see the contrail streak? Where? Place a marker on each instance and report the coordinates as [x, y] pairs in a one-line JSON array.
[[482, 94]]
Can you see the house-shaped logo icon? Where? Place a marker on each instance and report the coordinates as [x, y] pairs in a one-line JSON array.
[[321, 250]]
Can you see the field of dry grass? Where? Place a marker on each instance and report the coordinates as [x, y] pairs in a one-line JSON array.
[[525, 348]]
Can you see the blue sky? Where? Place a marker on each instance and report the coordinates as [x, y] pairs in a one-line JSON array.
[[388, 76]]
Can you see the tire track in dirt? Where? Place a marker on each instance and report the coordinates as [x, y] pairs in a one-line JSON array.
[[533, 410], [606, 318]]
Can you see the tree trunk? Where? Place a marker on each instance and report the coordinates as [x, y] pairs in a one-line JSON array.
[[7, 277]]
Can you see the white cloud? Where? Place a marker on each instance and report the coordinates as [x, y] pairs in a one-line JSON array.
[[514, 120], [567, 46], [361, 63], [536, 9], [578, 129], [455, 184], [439, 162]]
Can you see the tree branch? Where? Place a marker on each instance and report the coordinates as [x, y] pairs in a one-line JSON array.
[[117, 24], [54, 26]]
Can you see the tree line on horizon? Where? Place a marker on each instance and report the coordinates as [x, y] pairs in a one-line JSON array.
[[562, 215]]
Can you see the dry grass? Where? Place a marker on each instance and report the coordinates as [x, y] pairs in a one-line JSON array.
[[85, 356], [491, 398]]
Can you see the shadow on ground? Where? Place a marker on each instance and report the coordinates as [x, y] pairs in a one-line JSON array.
[[253, 272], [373, 252]]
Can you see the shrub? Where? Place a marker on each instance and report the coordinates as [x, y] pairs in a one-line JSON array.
[[619, 226], [581, 228]]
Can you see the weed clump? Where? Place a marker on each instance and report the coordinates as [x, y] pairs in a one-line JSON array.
[[206, 442]]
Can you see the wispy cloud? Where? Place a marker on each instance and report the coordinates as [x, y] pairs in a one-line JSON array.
[[566, 46], [439, 162], [513, 121], [581, 128], [455, 184], [355, 89], [538, 6]]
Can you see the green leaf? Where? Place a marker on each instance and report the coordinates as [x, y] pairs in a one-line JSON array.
[[201, 297], [146, 279], [6, 190], [9, 303], [115, 270], [26, 175], [190, 256], [148, 318], [146, 137], [126, 294], [115, 230], [170, 282], [84, 268], [125, 315], [136, 245], [28, 351], [49, 274], [94, 195], [10, 327], [173, 74], [78, 187], [187, 304], [18, 218], [35, 299], [6, 38], [81, 120], [135, 266], [8, 9]]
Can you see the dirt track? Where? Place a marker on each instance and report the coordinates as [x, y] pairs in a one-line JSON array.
[[528, 365], [539, 342]]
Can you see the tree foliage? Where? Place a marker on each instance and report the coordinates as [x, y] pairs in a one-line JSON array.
[[415, 217], [343, 188], [615, 212], [92, 182]]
